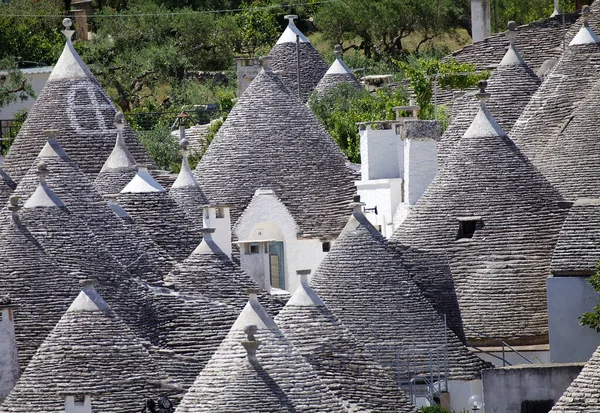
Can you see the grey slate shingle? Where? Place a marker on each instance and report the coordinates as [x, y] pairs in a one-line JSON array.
[[499, 274], [511, 85], [280, 380], [90, 351], [365, 284], [577, 251], [270, 140], [337, 356], [75, 105]]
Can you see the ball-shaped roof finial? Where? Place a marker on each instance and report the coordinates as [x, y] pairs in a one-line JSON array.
[[67, 23]]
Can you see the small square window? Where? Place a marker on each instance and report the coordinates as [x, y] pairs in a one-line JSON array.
[[219, 212], [467, 227], [252, 248], [326, 246]]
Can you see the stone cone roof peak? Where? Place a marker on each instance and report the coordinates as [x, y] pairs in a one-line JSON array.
[[70, 65], [120, 159], [512, 56], [484, 124], [208, 246], [338, 67], [586, 34], [305, 296], [291, 31], [142, 182], [89, 300], [254, 313], [43, 197], [185, 178]]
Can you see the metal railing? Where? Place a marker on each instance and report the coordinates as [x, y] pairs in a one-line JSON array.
[[502, 344], [8, 132]]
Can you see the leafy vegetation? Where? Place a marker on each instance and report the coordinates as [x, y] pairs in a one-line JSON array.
[[13, 85], [591, 319], [342, 107]]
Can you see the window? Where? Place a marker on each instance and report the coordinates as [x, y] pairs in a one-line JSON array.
[[219, 212], [326, 246], [467, 227], [252, 248], [79, 400]]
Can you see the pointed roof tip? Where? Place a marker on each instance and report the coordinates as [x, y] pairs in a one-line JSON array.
[[70, 65], [207, 246], [338, 67], [89, 300], [120, 159], [305, 296], [254, 314], [586, 34], [512, 56], [484, 125], [43, 197], [142, 182], [185, 178], [291, 31]]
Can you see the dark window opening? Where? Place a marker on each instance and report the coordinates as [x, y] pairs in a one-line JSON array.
[[79, 400], [536, 406], [466, 229], [326, 246], [219, 212], [252, 248]]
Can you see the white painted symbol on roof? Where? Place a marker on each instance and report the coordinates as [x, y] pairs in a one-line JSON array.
[[78, 113]]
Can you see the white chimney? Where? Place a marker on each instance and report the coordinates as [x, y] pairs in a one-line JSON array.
[[480, 19], [9, 362], [218, 217], [380, 151], [78, 404], [420, 157]]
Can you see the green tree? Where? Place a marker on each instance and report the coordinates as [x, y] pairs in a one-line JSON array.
[[450, 74], [591, 319], [140, 59], [378, 27], [342, 107], [259, 28], [27, 37], [13, 85]]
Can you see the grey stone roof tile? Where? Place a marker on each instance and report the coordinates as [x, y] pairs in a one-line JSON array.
[[517, 215], [90, 351], [74, 104], [365, 284], [289, 152], [279, 380], [337, 356], [577, 251], [511, 86], [79, 195]]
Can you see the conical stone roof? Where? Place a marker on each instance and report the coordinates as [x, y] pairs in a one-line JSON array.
[[79, 195], [337, 356], [208, 271], [510, 218], [90, 352], [73, 103], [7, 186], [275, 379], [577, 251], [120, 167], [551, 108], [337, 74], [40, 289], [582, 395], [272, 141], [148, 204], [365, 284], [511, 85], [284, 61], [186, 192]]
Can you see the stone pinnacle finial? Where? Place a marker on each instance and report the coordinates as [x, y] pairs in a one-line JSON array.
[[511, 32], [356, 205], [68, 32], [586, 12], [14, 206], [337, 50], [290, 18], [251, 344], [482, 95], [119, 120], [42, 171], [88, 282], [184, 144]]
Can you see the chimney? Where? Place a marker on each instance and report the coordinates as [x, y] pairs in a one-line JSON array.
[[247, 69], [380, 150], [218, 217], [251, 344], [78, 404], [9, 362], [480, 19]]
